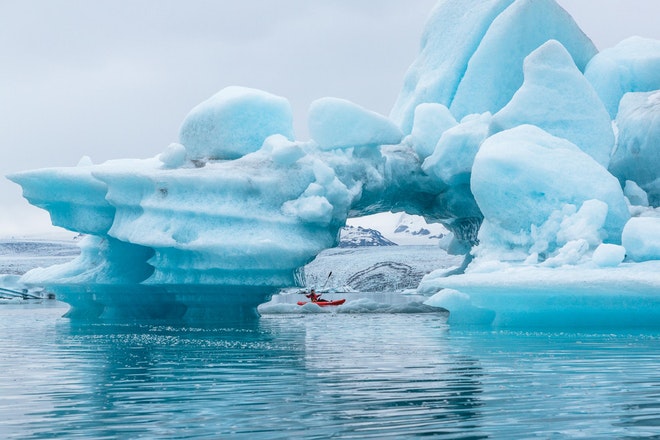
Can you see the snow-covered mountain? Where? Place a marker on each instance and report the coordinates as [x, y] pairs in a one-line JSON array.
[[402, 228], [356, 236]]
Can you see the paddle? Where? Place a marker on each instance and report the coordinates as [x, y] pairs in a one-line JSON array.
[[327, 279]]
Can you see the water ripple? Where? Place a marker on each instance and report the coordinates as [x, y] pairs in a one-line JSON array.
[[321, 376]]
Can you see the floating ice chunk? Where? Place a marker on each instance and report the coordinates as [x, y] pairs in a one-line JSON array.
[[641, 238], [310, 307], [289, 309], [625, 296], [367, 305], [452, 34], [495, 70], [234, 122], [521, 176], [431, 120], [630, 66], [454, 155], [461, 309], [448, 298], [278, 309], [364, 305], [637, 156], [338, 123], [609, 255], [174, 156], [556, 97]]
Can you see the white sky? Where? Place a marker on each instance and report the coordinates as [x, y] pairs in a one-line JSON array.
[[113, 79]]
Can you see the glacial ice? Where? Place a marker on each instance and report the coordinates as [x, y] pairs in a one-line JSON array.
[[556, 97], [547, 180], [233, 122], [453, 157], [494, 71], [609, 255], [630, 66], [339, 123], [472, 53], [430, 122], [637, 155], [635, 195], [496, 134], [452, 33]]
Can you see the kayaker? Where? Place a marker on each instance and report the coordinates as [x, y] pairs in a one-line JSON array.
[[313, 295]]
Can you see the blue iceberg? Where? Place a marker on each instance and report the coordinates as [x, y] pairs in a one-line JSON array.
[[510, 130]]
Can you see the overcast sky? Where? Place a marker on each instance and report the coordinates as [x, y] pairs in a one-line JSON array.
[[114, 79]]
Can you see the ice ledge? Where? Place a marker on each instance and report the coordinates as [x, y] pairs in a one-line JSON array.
[[627, 296]]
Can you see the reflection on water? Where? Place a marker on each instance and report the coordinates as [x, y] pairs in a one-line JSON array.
[[206, 305], [319, 376]]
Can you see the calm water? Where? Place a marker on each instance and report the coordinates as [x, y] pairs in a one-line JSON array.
[[320, 376]]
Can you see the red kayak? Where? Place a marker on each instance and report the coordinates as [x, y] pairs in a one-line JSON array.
[[324, 303]]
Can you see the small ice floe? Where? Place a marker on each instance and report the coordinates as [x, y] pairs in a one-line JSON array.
[[281, 305]]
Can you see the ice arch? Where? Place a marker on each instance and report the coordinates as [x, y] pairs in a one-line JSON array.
[[248, 221], [190, 218]]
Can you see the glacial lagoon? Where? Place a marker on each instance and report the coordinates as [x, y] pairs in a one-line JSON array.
[[328, 375]]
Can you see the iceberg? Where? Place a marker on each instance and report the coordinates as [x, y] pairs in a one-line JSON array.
[[497, 134]]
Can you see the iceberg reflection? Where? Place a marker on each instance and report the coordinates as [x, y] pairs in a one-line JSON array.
[[197, 305]]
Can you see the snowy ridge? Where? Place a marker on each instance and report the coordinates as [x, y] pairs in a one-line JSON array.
[[356, 236], [404, 229]]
